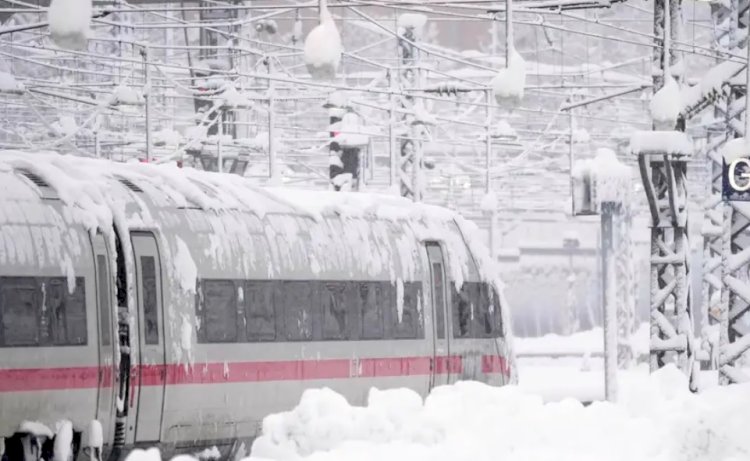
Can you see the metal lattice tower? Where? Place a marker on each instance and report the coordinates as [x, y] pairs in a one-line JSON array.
[[726, 237], [735, 262], [664, 178]]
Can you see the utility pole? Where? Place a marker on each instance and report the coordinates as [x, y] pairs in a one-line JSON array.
[[410, 163], [488, 173], [395, 167], [273, 172], [147, 97], [609, 302]]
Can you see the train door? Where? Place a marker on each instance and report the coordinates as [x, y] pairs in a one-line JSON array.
[[441, 368], [152, 371], [106, 319]]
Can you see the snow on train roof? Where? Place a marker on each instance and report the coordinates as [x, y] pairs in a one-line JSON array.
[[101, 192], [82, 182]]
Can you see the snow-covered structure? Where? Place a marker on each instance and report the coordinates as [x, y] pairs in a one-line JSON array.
[[323, 46], [662, 159]]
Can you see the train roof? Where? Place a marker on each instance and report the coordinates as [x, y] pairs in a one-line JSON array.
[[76, 180], [99, 194]]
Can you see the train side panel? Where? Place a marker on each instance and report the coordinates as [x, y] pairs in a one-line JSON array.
[[49, 367]]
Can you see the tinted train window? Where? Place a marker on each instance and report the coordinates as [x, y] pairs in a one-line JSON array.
[[42, 312], [339, 304], [473, 316], [20, 303], [65, 313], [439, 301], [219, 309], [409, 324], [150, 302], [104, 300], [296, 298], [465, 304], [260, 315], [374, 298], [496, 317]]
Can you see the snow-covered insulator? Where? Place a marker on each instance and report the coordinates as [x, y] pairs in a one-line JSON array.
[[268, 26], [503, 129], [9, 84], [323, 47], [297, 28], [125, 95], [489, 202], [508, 85], [412, 22], [666, 105], [69, 23]]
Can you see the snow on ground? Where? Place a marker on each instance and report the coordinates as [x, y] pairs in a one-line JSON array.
[[656, 419], [580, 343]]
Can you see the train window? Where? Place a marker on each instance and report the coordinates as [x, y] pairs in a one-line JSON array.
[[42, 312], [296, 298], [407, 325], [260, 314], [374, 297], [219, 311], [105, 323], [64, 314], [19, 311], [339, 303], [150, 301], [465, 305], [439, 301], [496, 313]]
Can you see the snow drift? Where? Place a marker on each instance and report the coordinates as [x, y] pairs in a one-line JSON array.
[[656, 419]]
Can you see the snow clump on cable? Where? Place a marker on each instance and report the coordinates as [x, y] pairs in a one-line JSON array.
[[69, 23], [323, 47], [508, 85]]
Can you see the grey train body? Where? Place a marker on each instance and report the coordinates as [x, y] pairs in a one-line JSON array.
[[178, 308]]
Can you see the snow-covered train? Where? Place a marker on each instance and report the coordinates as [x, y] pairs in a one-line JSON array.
[[152, 305]]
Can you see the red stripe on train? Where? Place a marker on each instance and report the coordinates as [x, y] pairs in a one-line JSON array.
[[37, 379]]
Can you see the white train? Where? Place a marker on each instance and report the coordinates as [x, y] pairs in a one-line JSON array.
[[151, 305]]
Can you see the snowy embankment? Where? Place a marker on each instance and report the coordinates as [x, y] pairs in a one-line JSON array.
[[656, 419]]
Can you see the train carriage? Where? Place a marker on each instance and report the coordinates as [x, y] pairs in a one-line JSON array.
[[150, 305]]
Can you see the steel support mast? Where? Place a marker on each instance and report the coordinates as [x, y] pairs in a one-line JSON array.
[[663, 172]]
